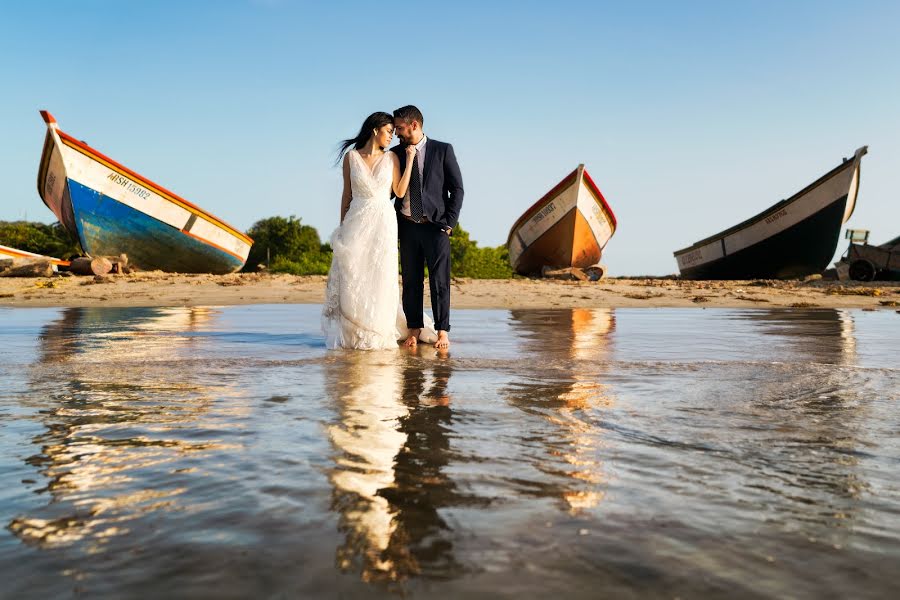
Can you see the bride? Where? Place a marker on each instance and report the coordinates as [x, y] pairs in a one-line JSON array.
[[362, 299]]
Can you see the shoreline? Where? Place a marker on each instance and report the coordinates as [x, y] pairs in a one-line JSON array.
[[169, 289]]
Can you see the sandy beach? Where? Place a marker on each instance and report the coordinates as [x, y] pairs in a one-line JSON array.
[[166, 289]]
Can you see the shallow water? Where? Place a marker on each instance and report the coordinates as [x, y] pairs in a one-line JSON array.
[[223, 452]]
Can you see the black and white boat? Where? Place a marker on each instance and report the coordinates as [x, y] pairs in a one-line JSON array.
[[794, 238]]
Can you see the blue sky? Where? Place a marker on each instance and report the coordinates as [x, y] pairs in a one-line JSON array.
[[690, 116]]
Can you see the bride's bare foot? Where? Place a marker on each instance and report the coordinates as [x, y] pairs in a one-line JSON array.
[[443, 341], [413, 338]]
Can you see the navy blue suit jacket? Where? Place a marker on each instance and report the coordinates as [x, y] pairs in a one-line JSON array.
[[442, 186]]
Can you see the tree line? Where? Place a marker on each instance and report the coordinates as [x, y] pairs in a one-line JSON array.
[[286, 245]]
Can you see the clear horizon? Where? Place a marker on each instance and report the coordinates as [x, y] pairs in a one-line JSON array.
[[690, 118]]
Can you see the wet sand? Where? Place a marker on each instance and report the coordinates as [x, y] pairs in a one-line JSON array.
[[165, 289]]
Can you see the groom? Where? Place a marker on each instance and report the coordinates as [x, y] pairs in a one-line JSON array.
[[426, 217]]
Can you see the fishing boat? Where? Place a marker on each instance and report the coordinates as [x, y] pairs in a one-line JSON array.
[[568, 227], [793, 238], [16, 254], [112, 210]]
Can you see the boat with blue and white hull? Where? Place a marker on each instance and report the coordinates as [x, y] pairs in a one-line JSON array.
[[112, 210]]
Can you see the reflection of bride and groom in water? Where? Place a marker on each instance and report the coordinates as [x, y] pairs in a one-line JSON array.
[[396, 437], [402, 463]]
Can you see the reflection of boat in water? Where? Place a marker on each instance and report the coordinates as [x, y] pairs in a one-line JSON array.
[[85, 335], [571, 347], [116, 397], [112, 210], [818, 335], [807, 405], [569, 227], [390, 477], [793, 238]]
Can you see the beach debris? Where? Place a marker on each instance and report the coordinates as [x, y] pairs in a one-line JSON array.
[[855, 291], [790, 239], [99, 265], [699, 299], [803, 305], [120, 264], [647, 296], [46, 284], [29, 268], [889, 303], [570, 273], [568, 227], [85, 265], [115, 208], [750, 298], [96, 279], [595, 272], [231, 282]]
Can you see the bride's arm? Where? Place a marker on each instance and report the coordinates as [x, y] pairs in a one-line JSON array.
[[401, 183], [346, 195]]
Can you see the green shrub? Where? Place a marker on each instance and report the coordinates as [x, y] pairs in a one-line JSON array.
[[289, 246], [49, 240], [307, 264], [485, 263], [468, 260]]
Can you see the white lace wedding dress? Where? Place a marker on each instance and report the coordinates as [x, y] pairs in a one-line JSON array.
[[362, 299]]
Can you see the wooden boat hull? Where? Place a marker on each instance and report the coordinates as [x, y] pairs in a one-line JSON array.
[[569, 227], [15, 253], [793, 238], [113, 210]]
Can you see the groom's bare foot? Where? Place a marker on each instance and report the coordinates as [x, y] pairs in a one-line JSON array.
[[443, 341], [413, 338]]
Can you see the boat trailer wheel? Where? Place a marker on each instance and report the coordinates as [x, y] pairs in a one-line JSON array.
[[862, 270]]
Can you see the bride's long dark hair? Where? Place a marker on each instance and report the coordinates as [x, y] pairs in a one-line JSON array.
[[374, 121]]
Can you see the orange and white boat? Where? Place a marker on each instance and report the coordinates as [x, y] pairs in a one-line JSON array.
[[568, 227], [15, 253]]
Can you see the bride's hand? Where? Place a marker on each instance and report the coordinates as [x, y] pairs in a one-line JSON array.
[[410, 153]]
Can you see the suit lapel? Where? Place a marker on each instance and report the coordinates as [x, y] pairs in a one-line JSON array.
[[430, 151]]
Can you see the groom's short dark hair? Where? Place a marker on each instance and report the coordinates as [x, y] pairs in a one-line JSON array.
[[409, 114]]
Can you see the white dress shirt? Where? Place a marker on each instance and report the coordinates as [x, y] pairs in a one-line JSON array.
[[420, 162]]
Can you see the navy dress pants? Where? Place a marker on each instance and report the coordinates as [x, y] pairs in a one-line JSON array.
[[421, 244]]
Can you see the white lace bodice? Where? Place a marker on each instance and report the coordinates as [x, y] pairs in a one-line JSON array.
[[371, 183]]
